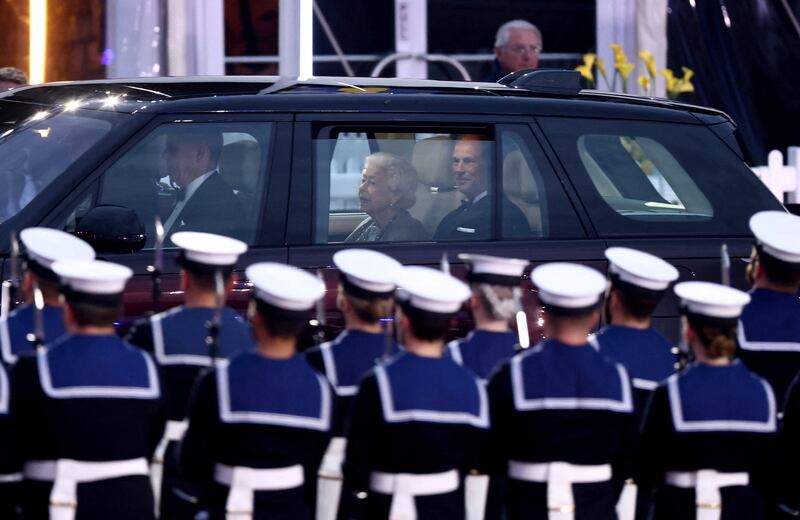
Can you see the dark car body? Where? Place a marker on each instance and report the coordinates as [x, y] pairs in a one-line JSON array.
[[587, 194]]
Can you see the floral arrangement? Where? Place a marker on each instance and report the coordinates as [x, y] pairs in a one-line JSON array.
[[594, 68]]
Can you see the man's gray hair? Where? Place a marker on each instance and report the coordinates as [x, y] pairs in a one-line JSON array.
[[13, 75], [402, 176], [502, 33]]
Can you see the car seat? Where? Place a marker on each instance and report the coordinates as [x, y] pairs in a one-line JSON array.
[[436, 193]]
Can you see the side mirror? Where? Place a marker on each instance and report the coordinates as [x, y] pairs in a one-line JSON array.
[[112, 229]]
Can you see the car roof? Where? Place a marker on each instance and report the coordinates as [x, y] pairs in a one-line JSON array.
[[203, 93]]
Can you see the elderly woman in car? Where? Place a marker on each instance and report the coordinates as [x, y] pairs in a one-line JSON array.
[[387, 191]]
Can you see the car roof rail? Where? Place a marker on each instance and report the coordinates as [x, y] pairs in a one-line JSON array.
[[558, 82]]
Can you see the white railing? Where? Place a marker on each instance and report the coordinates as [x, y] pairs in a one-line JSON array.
[[783, 180]]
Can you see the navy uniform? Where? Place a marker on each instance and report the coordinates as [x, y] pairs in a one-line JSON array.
[[769, 328], [43, 246], [10, 466], [647, 355], [367, 276], [562, 415], [418, 423], [178, 340], [88, 411], [482, 350], [709, 432], [259, 425]]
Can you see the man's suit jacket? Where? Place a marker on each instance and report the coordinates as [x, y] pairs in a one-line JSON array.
[[472, 221], [213, 208]]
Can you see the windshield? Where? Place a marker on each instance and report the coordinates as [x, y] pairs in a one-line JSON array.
[[38, 143]]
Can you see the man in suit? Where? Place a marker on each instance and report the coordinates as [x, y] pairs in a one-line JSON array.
[[205, 201], [473, 219]]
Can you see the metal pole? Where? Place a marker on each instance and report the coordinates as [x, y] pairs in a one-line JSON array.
[[295, 38], [332, 38]]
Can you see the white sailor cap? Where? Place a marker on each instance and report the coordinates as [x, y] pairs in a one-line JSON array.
[[493, 269], [711, 299], [209, 249], [44, 246], [641, 269], [367, 274], [778, 233], [569, 288], [92, 277], [284, 286], [430, 290]]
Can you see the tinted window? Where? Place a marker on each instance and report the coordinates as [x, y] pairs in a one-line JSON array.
[[639, 178], [38, 144], [196, 177], [422, 184]]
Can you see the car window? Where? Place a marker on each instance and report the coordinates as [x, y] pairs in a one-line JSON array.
[[207, 177], [650, 178], [37, 145], [530, 187], [423, 184]]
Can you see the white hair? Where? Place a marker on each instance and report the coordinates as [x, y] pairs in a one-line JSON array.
[[502, 33]]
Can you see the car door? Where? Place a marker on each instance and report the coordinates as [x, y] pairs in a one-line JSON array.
[[252, 161], [332, 151], [673, 189]]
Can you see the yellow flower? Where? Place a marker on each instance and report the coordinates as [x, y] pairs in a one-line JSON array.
[[589, 59], [586, 72], [621, 57], [670, 79], [624, 69], [644, 82], [601, 67], [650, 61], [687, 73], [617, 48]]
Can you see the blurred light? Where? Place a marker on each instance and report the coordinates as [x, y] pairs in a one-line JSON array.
[[44, 133], [37, 40], [111, 101], [107, 58], [313, 323], [6, 133], [693, 4], [71, 105], [725, 17], [38, 116]]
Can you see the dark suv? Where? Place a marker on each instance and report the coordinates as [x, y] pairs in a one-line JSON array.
[[585, 170]]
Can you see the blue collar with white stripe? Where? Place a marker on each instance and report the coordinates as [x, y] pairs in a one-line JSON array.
[[721, 398], [254, 389], [645, 353], [15, 329], [482, 350], [179, 335], [5, 396], [770, 322], [436, 390], [556, 376], [97, 366], [350, 356]]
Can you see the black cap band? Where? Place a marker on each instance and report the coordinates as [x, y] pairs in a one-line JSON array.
[[556, 310], [492, 279], [633, 290], [773, 262], [416, 313], [359, 292], [39, 270], [701, 320], [279, 312], [105, 300]]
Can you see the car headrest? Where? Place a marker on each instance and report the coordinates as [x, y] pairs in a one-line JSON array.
[[432, 158], [239, 164], [518, 179]]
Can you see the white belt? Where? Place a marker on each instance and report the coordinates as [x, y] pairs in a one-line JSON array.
[[243, 482], [172, 433], [66, 474], [706, 484], [559, 477], [403, 487]]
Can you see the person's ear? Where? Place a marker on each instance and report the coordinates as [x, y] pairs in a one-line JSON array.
[[497, 52], [27, 282], [593, 319]]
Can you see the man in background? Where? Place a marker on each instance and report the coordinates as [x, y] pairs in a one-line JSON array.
[[11, 78], [516, 47]]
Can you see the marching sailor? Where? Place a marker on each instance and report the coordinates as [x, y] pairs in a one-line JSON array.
[[769, 331], [10, 466], [709, 431], [88, 410], [638, 281], [178, 340], [562, 413], [43, 246], [365, 297], [419, 419], [260, 422], [494, 303]]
